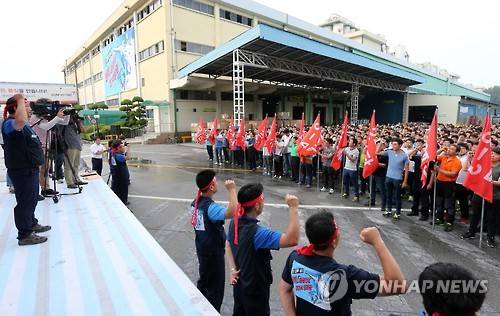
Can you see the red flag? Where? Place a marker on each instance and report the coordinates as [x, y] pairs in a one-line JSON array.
[[341, 144], [230, 135], [478, 178], [240, 137], [201, 134], [260, 138], [430, 151], [312, 139], [271, 138], [302, 129], [371, 160], [213, 132]]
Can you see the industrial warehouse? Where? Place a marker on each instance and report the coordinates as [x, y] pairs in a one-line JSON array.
[[179, 56]]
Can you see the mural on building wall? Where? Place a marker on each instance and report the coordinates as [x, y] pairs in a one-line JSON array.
[[119, 64]]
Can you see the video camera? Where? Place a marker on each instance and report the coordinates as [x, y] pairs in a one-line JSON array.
[[47, 109]]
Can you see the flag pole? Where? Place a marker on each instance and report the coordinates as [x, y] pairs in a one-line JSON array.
[[435, 182], [481, 226], [371, 189], [317, 171], [434, 202], [300, 169], [482, 206]]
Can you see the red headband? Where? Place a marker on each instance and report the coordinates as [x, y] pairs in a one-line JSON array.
[[7, 108], [194, 216], [309, 249], [240, 212]]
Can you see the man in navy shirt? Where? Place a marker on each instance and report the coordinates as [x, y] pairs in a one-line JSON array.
[[313, 283], [208, 220], [23, 157], [250, 244]]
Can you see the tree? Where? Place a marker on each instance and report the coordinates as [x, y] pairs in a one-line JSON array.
[[135, 112], [495, 94], [126, 102], [77, 107]]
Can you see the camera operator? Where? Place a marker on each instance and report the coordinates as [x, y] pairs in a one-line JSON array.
[[42, 126], [73, 149], [23, 158]]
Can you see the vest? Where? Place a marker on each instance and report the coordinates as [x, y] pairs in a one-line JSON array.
[[254, 265], [22, 150], [210, 236]]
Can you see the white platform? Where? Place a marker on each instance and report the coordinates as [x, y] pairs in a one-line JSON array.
[[99, 260]]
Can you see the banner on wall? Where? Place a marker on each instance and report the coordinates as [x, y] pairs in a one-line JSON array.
[[118, 60], [64, 93]]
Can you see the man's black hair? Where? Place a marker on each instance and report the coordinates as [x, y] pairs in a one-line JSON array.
[[466, 302], [320, 229], [457, 147], [419, 140], [398, 140], [494, 142], [249, 192], [464, 145], [329, 141], [204, 177], [354, 141]]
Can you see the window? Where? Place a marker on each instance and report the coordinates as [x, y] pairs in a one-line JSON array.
[[78, 64], [79, 85], [143, 82], [153, 5], [98, 76], [96, 50], [195, 5], [88, 81], [152, 50], [231, 16], [85, 58], [190, 47], [112, 102], [195, 95]]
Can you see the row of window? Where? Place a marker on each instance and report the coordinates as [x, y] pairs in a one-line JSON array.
[[238, 18], [196, 5], [88, 81], [96, 50], [190, 47], [108, 40], [148, 9], [97, 76], [125, 27], [152, 50]]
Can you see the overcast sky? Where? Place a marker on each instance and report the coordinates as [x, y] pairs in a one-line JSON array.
[[460, 36]]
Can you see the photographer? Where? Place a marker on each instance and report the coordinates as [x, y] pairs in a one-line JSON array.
[[23, 157], [42, 126], [73, 149]]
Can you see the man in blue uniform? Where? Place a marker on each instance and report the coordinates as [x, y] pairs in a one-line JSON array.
[[208, 222], [23, 157], [313, 283], [250, 244]]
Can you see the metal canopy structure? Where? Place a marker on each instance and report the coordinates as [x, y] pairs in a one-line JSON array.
[[265, 54]]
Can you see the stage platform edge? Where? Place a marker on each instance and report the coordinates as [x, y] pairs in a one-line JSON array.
[[99, 260]]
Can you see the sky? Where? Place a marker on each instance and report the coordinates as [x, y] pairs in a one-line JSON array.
[[460, 36]]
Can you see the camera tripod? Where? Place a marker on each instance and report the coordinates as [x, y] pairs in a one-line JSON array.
[[52, 143]]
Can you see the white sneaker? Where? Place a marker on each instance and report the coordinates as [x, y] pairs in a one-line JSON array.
[[331, 191], [323, 189]]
